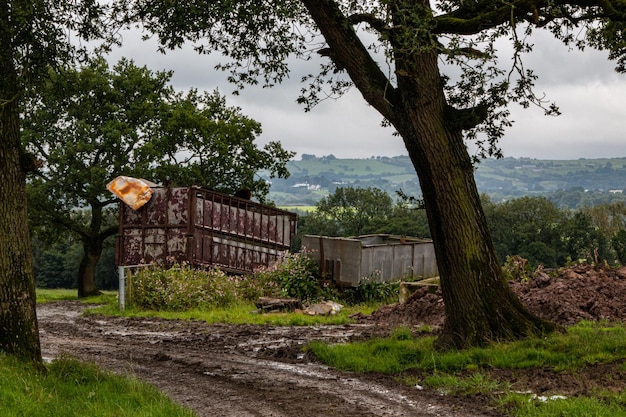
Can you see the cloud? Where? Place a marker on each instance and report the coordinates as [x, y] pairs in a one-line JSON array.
[[591, 96], [591, 124], [346, 128]]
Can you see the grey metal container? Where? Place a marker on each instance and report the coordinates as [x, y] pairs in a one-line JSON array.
[[380, 257], [203, 228]]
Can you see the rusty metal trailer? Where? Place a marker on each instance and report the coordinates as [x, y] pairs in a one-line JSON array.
[[203, 228]]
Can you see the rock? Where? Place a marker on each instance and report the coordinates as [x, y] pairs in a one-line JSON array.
[[324, 308]]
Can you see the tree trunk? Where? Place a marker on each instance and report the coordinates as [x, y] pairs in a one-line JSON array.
[[480, 307], [19, 332], [87, 269]]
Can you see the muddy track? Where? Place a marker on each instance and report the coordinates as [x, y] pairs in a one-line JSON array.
[[237, 370]]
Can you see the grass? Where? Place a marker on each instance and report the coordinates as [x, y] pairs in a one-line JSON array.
[[70, 388], [466, 372], [298, 209], [47, 295], [584, 344], [532, 406], [240, 313]]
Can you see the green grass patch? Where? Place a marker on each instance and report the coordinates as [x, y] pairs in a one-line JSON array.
[[583, 344], [522, 405], [45, 295], [299, 209], [415, 361], [71, 388], [239, 313], [475, 383]]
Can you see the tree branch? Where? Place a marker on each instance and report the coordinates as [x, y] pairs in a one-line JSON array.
[[465, 119], [475, 17], [347, 51], [462, 22], [109, 231], [377, 24]]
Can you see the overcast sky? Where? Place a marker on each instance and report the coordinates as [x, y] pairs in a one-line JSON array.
[[589, 93]]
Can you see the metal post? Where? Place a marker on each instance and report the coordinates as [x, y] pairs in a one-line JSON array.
[[122, 287]]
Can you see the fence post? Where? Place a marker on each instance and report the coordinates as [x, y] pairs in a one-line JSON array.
[[122, 287]]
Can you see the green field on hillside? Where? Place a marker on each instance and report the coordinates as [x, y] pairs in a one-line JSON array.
[[315, 177]]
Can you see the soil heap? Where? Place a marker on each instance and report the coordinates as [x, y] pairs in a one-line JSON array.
[[566, 296]]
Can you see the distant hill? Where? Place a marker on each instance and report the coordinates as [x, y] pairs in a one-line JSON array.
[[314, 177]]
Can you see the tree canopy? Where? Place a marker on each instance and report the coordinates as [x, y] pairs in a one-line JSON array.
[[92, 124], [462, 34]]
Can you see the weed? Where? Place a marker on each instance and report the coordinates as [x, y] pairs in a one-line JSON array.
[[182, 288], [295, 275]]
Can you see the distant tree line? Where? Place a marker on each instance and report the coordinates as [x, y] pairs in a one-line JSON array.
[[56, 265], [571, 184], [535, 228]]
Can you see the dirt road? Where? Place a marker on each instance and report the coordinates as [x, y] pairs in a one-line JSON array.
[[237, 370]]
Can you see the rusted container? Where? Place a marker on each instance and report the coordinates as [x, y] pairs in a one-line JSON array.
[[380, 257], [203, 228]]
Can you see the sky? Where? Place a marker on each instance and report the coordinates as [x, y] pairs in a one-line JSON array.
[[584, 85]]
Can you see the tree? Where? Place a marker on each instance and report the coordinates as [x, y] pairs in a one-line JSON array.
[[529, 227], [406, 219], [583, 240], [391, 51], [92, 124], [619, 246], [350, 211], [610, 218], [35, 36]]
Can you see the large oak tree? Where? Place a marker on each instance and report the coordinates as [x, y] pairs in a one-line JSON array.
[[397, 52], [92, 124]]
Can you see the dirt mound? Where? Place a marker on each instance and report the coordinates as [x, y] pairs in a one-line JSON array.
[[421, 309], [564, 297]]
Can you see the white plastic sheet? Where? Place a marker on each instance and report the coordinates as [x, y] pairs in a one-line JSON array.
[[132, 191]]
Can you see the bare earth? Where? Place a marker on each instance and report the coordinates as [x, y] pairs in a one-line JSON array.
[[246, 370]]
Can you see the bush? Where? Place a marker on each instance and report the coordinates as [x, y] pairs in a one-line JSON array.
[[296, 275], [517, 268], [371, 290], [182, 288]]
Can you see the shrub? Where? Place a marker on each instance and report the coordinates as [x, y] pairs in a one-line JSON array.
[[372, 290], [517, 268], [182, 288], [295, 275]]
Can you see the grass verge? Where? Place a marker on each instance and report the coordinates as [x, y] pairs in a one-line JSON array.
[[415, 361], [45, 295], [71, 388], [237, 313]]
